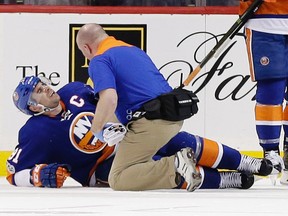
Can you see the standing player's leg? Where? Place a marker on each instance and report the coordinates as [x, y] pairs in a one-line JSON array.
[[267, 55], [269, 115], [284, 177]]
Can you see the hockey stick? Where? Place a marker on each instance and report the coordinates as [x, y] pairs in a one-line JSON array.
[[225, 39]]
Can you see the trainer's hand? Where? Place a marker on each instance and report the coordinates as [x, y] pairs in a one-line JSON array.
[[100, 134], [51, 175], [114, 133]]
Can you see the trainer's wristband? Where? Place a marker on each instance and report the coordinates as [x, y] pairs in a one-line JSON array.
[[99, 136]]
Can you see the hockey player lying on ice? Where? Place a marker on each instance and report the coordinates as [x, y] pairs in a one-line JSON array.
[[56, 143]]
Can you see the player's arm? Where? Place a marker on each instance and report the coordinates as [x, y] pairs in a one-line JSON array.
[[21, 178], [18, 169], [41, 175], [105, 110]]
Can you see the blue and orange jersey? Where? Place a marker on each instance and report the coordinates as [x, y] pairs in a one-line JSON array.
[[271, 17], [128, 70], [65, 138]]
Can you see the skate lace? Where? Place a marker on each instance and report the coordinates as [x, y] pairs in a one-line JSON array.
[[249, 164], [230, 180]]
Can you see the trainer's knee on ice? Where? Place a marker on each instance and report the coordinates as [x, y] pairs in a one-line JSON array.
[[113, 183]]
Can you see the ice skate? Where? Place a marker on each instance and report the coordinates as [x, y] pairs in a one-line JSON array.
[[239, 180], [277, 163], [257, 166], [284, 177]]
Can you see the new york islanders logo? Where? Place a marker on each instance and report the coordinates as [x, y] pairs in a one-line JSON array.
[[80, 135]]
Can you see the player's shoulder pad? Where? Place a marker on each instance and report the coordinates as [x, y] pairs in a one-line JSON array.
[[74, 87]]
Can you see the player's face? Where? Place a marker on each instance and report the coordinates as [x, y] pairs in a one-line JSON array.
[[46, 96]]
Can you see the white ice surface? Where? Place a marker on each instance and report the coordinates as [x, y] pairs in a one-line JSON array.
[[262, 199]]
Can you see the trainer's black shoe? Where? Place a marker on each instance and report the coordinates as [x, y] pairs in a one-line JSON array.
[[185, 164]]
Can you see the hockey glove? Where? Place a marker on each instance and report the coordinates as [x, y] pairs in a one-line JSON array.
[[114, 133], [51, 175]]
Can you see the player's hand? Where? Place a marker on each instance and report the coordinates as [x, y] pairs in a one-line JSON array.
[[114, 133], [51, 175]]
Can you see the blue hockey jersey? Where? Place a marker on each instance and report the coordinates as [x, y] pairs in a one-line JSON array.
[[65, 138]]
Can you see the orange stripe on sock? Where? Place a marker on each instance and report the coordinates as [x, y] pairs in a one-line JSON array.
[[268, 113], [285, 114], [209, 154]]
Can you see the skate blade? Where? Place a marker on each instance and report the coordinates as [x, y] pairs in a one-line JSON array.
[[273, 178], [284, 178]]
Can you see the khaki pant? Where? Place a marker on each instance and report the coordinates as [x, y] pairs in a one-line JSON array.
[[133, 167]]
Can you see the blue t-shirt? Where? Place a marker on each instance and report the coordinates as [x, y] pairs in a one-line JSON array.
[[131, 72]]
